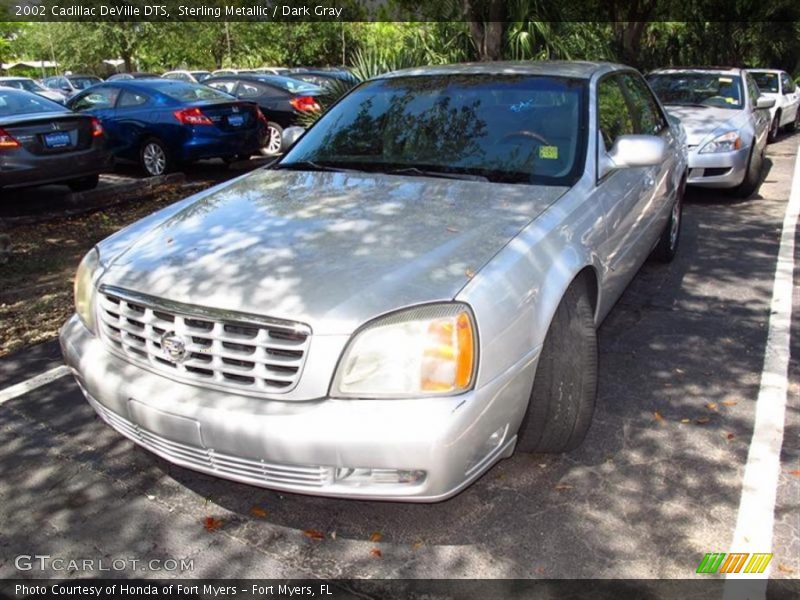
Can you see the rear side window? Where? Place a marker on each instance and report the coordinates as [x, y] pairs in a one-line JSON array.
[[248, 90], [96, 99], [130, 99], [648, 119], [787, 84], [614, 115]]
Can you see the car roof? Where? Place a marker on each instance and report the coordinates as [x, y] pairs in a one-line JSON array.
[[721, 70], [776, 71], [12, 78], [556, 68]]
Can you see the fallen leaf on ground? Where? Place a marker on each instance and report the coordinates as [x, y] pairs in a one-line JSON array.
[[685, 420], [376, 536], [313, 534], [562, 487], [785, 568], [657, 416], [416, 546], [376, 553], [729, 403], [711, 406], [702, 420], [796, 472], [730, 436], [333, 535], [259, 512], [212, 524], [452, 230]]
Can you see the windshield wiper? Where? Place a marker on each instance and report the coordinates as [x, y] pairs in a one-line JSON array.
[[443, 174], [310, 165]]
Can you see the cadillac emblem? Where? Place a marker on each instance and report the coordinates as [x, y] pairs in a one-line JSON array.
[[173, 347]]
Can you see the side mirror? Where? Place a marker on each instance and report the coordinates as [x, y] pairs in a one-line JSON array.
[[633, 151], [764, 103], [290, 136]]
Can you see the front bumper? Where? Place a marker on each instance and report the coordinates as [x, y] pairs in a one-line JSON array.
[[306, 447], [718, 169]]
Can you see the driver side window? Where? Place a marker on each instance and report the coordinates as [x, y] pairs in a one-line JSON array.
[[613, 114]]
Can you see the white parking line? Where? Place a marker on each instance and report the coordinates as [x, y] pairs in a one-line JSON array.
[[31, 384], [756, 515]]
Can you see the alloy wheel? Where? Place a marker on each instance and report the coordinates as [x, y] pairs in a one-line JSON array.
[[274, 143], [154, 158]]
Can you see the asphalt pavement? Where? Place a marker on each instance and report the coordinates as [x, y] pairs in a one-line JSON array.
[[655, 486]]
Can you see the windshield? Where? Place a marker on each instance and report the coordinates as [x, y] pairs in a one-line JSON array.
[[505, 128], [82, 83], [767, 82], [188, 92], [18, 103], [698, 89]]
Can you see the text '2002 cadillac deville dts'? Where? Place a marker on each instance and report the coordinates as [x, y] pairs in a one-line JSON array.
[[406, 297]]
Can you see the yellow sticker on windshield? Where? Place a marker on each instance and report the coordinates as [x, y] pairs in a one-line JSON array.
[[730, 100], [725, 80], [548, 152]]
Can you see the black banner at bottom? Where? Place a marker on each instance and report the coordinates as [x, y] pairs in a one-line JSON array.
[[400, 589]]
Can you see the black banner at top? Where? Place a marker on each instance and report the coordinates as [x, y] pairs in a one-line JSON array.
[[396, 10]]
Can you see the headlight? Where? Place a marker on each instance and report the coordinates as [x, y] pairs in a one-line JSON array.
[[727, 142], [84, 288], [425, 351]]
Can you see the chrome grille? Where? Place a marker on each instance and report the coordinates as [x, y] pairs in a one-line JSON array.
[[221, 349], [246, 470]]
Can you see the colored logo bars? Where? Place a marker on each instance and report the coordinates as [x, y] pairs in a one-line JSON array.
[[719, 562]]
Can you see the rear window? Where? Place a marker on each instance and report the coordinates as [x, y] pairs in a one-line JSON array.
[[82, 83], [289, 84], [21, 103], [188, 92]]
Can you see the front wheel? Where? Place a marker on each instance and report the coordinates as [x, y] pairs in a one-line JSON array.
[[752, 177], [667, 245], [774, 127], [564, 390], [154, 158]]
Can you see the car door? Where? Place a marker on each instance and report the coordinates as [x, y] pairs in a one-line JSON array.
[[622, 191], [132, 114], [660, 181], [791, 100], [99, 102], [760, 118]]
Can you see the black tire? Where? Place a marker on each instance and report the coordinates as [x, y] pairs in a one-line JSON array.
[[774, 128], [84, 184], [795, 125], [564, 390], [667, 246], [752, 177], [160, 162]]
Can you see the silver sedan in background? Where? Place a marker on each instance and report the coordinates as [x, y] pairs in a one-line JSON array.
[[406, 297], [726, 120]]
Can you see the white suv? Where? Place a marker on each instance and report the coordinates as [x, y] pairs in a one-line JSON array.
[[777, 84]]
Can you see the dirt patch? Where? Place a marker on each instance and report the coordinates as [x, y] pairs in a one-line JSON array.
[[36, 281]]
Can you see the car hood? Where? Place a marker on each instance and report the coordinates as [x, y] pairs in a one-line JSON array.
[[701, 122], [328, 249]]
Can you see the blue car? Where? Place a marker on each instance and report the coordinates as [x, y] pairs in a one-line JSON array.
[[162, 123]]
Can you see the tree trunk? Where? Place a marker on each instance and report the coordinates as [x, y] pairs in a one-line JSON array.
[[486, 27]]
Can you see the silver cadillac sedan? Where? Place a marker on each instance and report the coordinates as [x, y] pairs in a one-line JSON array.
[[407, 296]]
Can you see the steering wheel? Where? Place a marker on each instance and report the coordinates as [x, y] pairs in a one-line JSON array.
[[525, 133]]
